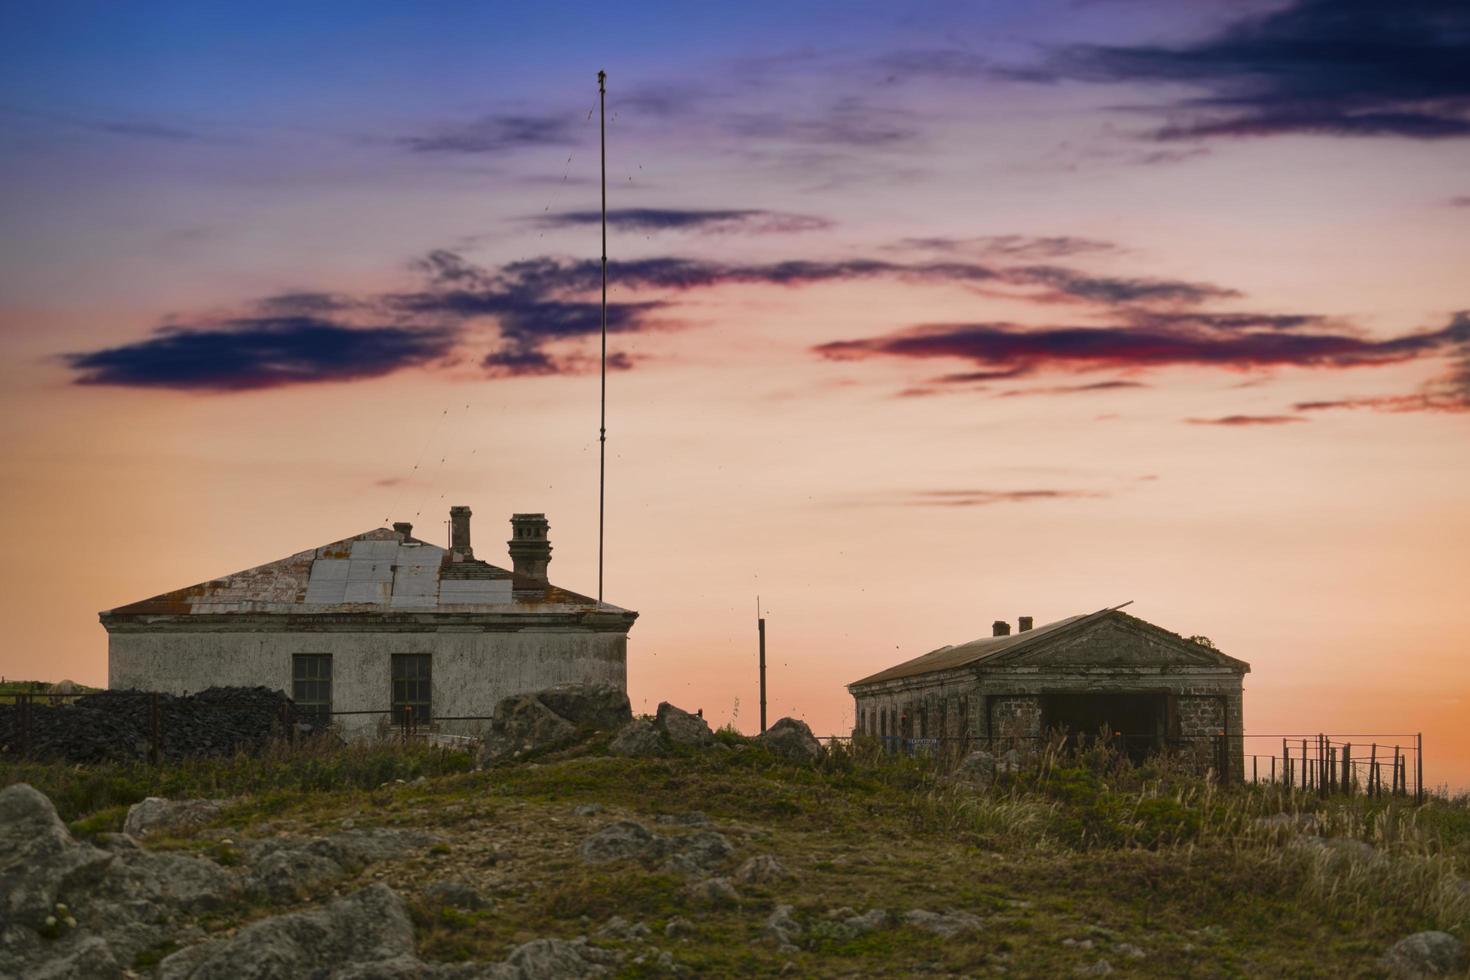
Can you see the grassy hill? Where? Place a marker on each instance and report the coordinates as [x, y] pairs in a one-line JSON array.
[[1079, 864]]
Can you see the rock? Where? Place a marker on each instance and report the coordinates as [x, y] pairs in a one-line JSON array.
[[89, 959], [1077, 943], [588, 810], [369, 926], [38, 857], [1131, 951], [619, 841], [868, 921], [597, 706], [457, 894], [763, 869], [620, 928], [782, 929], [944, 924], [713, 891], [638, 738], [1099, 969], [287, 868], [1425, 954], [977, 768], [678, 927], [158, 815], [555, 959], [691, 819], [681, 727], [525, 724], [699, 851], [792, 740]]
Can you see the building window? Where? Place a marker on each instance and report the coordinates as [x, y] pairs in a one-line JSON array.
[[311, 686], [411, 688]]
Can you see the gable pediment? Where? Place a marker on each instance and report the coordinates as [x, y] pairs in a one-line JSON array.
[[1117, 640]]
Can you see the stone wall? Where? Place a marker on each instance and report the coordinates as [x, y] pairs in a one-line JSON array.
[[1015, 717]]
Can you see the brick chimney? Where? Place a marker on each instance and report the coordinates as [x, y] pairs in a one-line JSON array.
[[1023, 624], [530, 549], [1000, 628], [404, 528], [459, 534]]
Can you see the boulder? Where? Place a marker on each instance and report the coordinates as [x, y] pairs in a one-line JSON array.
[[637, 738], [697, 852], [763, 869], [976, 768], [783, 929], [156, 815], [555, 959], [1425, 954], [681, 727], [620, 841], [456, 894], [943, 924], [523, 724], [38, 857], [369, 926], [713, 891], [793, 740], [597, 706]]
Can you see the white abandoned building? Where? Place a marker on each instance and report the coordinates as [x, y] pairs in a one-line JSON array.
[[376, 622], [1151, 689]]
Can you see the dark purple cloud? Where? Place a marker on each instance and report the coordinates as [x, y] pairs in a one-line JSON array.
[[251, 354], [497, 134], [1011, 347], [1460, 202], [1024, 247], [1248, 420], [984, 498], [1334, 67], [744, 220], [1069, 284]]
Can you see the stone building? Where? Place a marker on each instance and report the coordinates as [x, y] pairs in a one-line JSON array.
[[1106, 671], [378, 622]]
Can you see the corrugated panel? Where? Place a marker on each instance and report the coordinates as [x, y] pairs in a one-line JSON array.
[[415, 586], [368, 581], [328, 582], [374, 550], [474, 591]]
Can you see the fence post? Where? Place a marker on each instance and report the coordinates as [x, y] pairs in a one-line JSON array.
[[23, 718], [1419, 768], [1306, 769], [1373, 769], [1347, 768], [155, 730]]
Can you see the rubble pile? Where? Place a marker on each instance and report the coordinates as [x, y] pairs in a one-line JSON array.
[[118, 725]]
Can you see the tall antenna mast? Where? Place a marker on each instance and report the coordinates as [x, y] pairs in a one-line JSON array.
[[602, 423]]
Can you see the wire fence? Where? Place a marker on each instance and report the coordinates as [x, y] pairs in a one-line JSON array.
[[1374, 765]]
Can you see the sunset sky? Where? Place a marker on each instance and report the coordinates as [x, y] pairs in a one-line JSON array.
[[921, 317]]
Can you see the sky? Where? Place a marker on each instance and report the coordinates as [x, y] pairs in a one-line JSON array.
[[921, 316]]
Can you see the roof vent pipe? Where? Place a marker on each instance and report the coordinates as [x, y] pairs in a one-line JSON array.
[[404, 528], [530, 547], [1001, 628], [1023, 624]]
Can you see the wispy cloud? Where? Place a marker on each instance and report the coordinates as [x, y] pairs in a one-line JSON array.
[[494, 134], [742, 220], [252, 354], [1248, 420], [1334, 67], [1018, 247], [1011, 347], [985, 498]]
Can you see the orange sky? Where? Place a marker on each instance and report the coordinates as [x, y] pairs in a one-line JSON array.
[[1328, 548]]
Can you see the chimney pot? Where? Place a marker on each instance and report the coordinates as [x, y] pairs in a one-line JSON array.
[[459, 533], [1000, 628], [1023, 624], [530, 547], [404, 528]]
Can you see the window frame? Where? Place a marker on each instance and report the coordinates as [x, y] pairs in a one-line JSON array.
[[316, 707], [415, 690]]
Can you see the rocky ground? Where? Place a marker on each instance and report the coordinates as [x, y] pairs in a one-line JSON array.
[[710, 855]]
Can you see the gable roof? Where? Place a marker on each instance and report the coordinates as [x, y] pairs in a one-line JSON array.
[[378, 571], [1016, 646]]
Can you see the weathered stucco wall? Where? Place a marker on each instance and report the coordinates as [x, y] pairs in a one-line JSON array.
[[471, 670]]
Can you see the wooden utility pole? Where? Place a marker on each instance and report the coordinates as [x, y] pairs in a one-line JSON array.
[[760, 625]]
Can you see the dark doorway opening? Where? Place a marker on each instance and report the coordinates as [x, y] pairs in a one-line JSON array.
[[1135, 723]]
